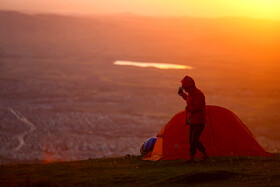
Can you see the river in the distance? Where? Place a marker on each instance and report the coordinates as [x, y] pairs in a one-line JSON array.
[[152, 64]]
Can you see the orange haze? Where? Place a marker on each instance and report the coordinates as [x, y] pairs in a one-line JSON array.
[[195, 8]]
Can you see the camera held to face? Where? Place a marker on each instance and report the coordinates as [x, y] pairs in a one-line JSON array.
[[180, 91]]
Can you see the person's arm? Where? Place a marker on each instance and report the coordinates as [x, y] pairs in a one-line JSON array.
[[184, 95]]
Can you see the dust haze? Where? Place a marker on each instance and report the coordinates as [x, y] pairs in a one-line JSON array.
[[62, 97]]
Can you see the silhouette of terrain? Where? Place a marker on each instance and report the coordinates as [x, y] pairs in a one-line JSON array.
[[131, 170], [57, 73]]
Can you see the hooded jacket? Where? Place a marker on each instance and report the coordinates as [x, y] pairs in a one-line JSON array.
[[195, 109]]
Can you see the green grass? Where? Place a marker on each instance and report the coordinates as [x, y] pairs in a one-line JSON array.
[[132, 171]]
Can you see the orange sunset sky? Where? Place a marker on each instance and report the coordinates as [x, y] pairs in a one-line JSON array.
[[267, 9]]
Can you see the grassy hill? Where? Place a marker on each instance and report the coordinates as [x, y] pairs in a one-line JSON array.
[[131, 171]]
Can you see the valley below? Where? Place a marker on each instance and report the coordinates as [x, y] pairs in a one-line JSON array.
[[62, 97]]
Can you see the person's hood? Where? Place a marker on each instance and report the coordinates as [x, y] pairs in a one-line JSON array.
[[188, 82]]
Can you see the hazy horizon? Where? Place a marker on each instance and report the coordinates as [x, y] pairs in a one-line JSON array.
[[80, 14], [129, 14], [214, 9]]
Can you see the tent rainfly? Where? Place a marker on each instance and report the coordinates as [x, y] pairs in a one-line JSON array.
[[224, 135]]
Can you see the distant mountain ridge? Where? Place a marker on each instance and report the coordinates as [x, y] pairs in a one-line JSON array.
[[57, 36]]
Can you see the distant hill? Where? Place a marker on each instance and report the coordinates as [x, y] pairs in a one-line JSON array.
[[116, 35]]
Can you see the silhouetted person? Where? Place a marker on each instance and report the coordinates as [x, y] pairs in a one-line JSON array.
[[195, 114]]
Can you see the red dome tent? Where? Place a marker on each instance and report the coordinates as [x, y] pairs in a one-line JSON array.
[[224, 135]]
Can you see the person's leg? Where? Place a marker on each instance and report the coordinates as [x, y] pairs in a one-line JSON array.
[[192, 148], [201, 148], [195, 132], [193, 142]]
